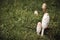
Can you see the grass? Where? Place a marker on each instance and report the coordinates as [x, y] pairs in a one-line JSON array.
[[18, 22]]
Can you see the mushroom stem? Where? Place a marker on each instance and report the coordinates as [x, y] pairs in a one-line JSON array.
[[42, 32]]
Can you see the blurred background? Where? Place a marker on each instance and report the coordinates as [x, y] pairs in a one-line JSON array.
[[18, 22]]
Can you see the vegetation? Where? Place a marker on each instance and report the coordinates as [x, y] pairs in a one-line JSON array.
[[18, 22]]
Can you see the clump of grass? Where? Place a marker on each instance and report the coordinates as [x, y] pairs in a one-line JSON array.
[[18, 22]]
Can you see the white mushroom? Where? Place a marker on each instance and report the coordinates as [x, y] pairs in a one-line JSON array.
[[38, 28], [36, 12], [45, 22]]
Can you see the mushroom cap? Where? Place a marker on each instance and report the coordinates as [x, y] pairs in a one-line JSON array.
[[36, 12], [39, 23], [44, 6], [45, 20]]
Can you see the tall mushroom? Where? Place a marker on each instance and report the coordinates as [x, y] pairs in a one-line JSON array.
[[45, 22]]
